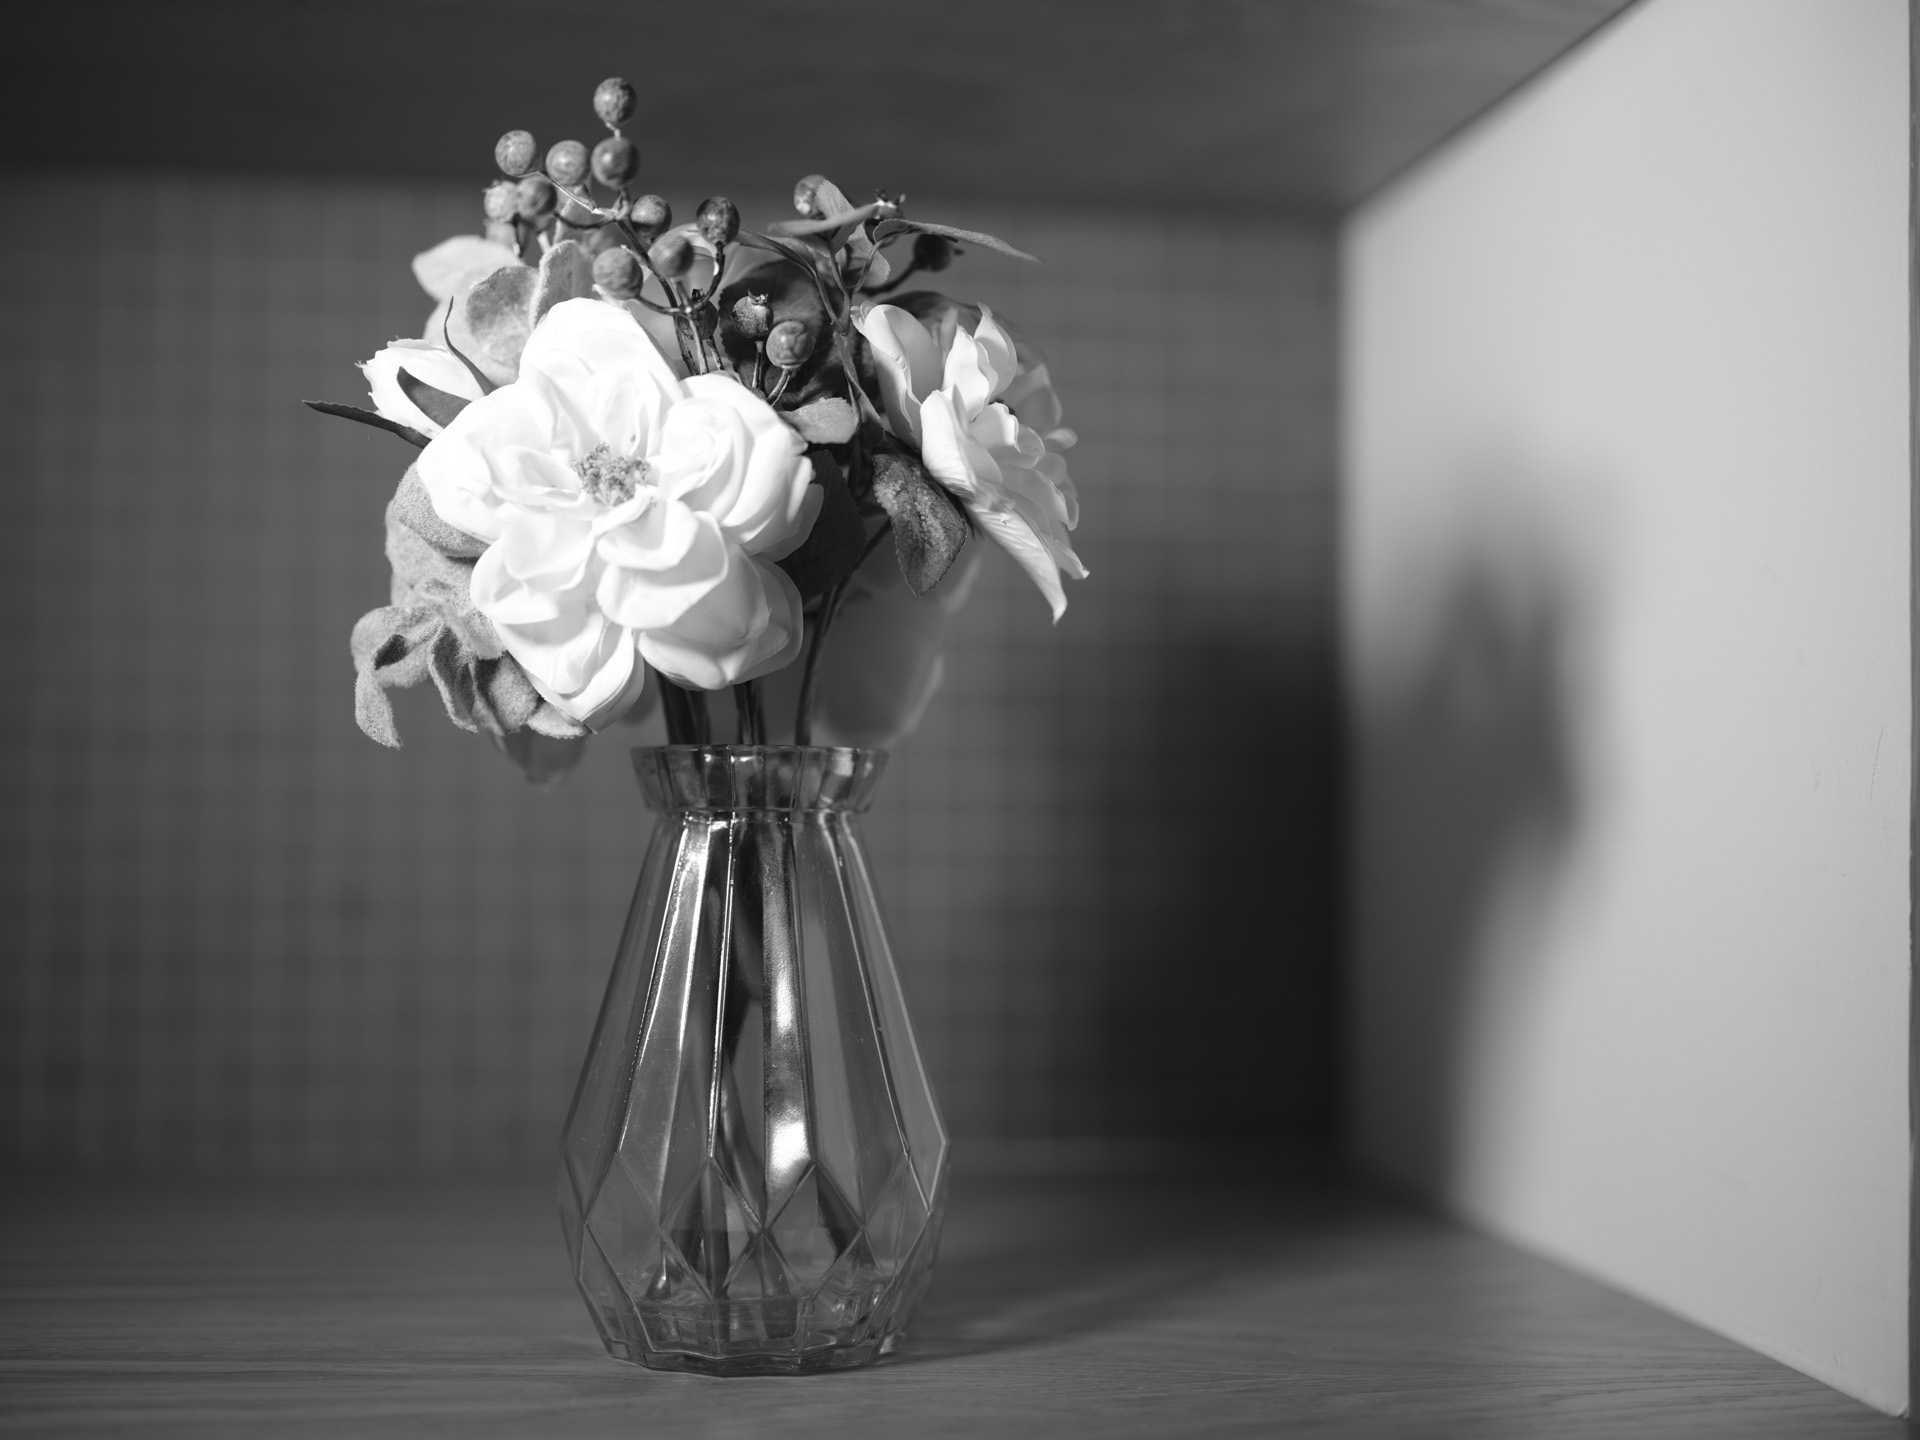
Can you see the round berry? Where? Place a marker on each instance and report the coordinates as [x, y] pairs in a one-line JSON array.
[[537, 197], [616, 160], [501, 201], [719, 220], [613, 100], [806, 196], [671, 256], [599, 238], [789, 344], [567, 162], [649, 216], [618, 273], [751, 315], [514, 153]]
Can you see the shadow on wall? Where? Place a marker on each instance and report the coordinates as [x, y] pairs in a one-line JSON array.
[[1467, 803], [1217, 834]]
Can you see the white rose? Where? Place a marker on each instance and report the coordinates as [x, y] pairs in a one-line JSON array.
[[632, 515], [956, 403]]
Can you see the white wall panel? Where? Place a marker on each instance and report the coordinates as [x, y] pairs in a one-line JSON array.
[[1626, 439]]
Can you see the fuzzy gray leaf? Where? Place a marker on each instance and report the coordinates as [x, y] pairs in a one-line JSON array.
[[928, 528], [826, 421]]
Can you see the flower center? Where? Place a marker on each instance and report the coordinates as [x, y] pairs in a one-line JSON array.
[[609, 478]]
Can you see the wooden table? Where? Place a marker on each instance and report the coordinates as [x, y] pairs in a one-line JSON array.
[[1302, 1306]]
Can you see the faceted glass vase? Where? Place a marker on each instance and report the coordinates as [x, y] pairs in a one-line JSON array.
[[754, 1169]]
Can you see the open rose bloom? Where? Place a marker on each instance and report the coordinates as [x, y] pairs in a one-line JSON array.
[[686, 459], [949, 390], [631, 515]]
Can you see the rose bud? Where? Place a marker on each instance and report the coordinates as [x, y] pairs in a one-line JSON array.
[[671, 256], [719, 221], [616, 160], [789, 344], [932, 252], [514, 153], [537, 197], [806, 197], [567, 162], [751, 315], [649, 216], [618, 273], [501, 200], [613, 100]]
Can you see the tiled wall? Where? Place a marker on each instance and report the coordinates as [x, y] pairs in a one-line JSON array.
[[237, 935]]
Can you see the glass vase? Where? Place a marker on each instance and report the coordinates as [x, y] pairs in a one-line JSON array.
[[754, 1169]]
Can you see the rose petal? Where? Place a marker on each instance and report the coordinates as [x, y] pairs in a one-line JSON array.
[[998, 360], [752, 627], [908, 363], [702, 454], [968, 382], [509, 598], [613, 681], [764, 511], [647, 599], [565, 652], [1012, 533], [950, 454], [580, 338]]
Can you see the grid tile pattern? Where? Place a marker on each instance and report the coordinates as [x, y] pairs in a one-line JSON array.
[[239, 936]]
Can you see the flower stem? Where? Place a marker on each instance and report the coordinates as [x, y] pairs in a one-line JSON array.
[[803, 713], [746, 703], [686, 714], [829, 608]]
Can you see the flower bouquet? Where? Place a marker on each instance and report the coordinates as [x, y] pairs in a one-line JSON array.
[[657, 463]]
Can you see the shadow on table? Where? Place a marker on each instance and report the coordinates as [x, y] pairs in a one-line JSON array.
[[1027, 1262]]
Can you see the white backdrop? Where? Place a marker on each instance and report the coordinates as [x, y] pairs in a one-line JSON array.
[[1626, 623]]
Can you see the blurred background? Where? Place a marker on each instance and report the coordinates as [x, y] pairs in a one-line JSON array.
[[240, 937]]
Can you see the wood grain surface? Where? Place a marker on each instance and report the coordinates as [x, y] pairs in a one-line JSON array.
[[1063, 1307]]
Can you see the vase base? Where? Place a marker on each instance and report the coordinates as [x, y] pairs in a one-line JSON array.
[[809, 1362]]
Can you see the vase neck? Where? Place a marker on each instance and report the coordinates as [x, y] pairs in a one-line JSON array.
[[727, 778]]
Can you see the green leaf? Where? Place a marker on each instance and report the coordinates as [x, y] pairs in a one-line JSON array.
[[928, 529], [834, 546], [810, 256], [826, 421], [887, 229], [492, 321], [844, 219], [369, 417], [566, 273], [434, 403]]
